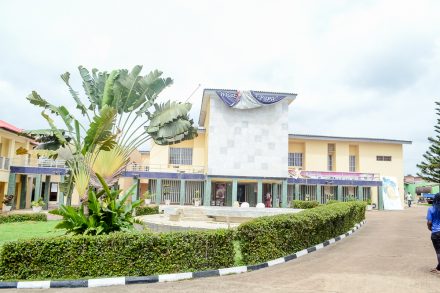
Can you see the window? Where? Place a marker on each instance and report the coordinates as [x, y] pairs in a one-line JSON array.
[[330, 151], [383, 158], [330, 163], [181, 156], [296, 159], [352, 163]]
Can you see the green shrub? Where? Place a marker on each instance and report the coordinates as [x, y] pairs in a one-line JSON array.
[[267, 238], [10, 218], [57, 210], [116, 254], [304, 204], [107, 212], [332, 201], [147, 210]]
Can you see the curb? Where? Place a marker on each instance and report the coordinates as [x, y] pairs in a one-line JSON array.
[[117, 281]]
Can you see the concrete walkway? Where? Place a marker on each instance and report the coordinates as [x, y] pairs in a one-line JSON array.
[[391, 253]]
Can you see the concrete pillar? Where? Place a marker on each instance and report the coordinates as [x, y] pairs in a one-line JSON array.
[[11, 151], [380, 198], [234, 190], [30, 183], [207, 195], [182, 192], [284, 194], [296, 191], [259, 191], [23, 191], [11, 188], [158, 196], [339, 193], [60, 193], [360, 191], [135, 195], [275, 196], [318, 193], [46, 192], [37, 187]]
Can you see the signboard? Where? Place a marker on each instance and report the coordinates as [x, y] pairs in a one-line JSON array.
[[390, 194], [296, 173]]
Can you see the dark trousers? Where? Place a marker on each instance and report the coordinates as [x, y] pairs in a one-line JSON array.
[[435, 237], [409, 203]]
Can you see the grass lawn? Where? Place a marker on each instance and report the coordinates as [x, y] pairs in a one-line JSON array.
[[26, 230]]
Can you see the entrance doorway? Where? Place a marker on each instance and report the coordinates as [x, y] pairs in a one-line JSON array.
[[241, 193]]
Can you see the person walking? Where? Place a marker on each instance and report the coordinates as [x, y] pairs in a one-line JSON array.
[[433, 222], [409, 199]]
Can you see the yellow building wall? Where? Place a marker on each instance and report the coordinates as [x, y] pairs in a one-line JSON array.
[[368, 162], [315, 158], [159, 155]]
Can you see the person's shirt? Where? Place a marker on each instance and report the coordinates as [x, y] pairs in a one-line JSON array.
[[409, 196], [434, 217]]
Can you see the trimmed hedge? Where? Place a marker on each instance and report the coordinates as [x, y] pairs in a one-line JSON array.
[[117, 254], [304, 204], [272, 237], [147, 210], [10, 218]]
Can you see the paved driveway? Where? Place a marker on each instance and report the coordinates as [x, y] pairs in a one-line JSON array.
[[391, 253]]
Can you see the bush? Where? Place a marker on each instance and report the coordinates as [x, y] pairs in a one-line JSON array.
[[116, 254], [147, 210], [332, 201], [267, 238], [57, 210], [107, 212], [304, 204], [10, 218]]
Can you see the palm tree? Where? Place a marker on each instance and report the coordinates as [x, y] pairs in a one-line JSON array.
[[122, 115]]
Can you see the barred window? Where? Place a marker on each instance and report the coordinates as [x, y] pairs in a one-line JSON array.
[[181, 156], [296, 159], [330, 163], [383, 158], [352, 163]]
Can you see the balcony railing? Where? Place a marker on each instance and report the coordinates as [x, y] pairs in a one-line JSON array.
[[165, 168], [44, 163]]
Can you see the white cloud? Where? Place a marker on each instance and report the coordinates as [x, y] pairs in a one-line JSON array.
[[360, 68]]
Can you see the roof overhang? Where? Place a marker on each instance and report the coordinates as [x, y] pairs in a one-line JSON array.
[[351, 139]]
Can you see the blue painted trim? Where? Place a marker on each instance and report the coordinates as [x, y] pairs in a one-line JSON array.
[[38, 170], [333, 182], [163, 175]]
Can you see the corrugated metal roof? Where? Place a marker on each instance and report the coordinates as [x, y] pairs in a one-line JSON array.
[[5, 125]]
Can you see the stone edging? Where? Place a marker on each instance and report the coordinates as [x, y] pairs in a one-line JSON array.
[[170, 277]]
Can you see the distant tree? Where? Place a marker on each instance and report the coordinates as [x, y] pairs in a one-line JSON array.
[[430, 166]]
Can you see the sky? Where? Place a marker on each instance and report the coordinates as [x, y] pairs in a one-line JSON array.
[[360, 68]]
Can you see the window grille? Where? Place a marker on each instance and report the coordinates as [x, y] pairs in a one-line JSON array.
[[352, 163], [296, 159], [181, 156]]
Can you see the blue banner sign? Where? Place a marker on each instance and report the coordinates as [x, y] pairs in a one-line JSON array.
[[230, 98], [266, 98]]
